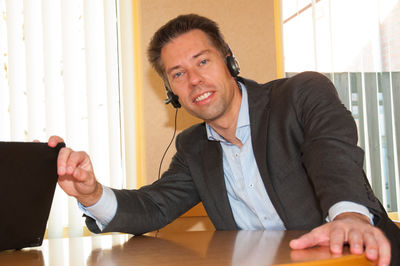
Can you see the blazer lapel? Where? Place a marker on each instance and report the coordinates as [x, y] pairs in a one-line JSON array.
[[259, 112], [215, 183]]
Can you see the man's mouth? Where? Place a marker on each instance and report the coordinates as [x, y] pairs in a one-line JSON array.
[[202, 97]]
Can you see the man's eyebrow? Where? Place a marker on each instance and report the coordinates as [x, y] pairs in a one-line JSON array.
[[172, 69], [201, 53], [193, 57]]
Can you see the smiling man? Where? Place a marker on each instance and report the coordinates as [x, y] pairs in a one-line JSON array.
[[275, 156]]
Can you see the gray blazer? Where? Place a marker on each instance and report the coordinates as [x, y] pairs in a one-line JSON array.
[[305, 145]]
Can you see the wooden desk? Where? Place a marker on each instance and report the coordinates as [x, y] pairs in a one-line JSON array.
[[185, 248]]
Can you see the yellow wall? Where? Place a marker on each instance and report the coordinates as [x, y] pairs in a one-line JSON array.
[[249, 28]]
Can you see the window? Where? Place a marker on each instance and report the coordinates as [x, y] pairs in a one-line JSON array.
[[355, 44]]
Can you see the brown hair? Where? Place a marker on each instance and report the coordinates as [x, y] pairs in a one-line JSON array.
[[178, 26]]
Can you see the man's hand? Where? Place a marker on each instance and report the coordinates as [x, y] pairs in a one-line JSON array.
[[353, 229], [75, 174]]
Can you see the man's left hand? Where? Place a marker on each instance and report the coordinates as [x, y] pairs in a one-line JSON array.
[[353, 229]]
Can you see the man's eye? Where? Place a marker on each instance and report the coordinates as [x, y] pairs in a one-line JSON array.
[[177, 75], [203, 62]]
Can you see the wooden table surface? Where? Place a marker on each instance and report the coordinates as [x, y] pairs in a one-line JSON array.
[[185, 248]]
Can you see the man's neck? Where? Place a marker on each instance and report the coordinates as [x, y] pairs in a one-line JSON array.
[[226, 125], [228, 133]]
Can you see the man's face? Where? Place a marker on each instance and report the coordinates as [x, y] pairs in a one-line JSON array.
[[197, 73]]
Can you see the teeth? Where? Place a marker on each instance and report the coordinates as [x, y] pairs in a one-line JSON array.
[[203, 96]]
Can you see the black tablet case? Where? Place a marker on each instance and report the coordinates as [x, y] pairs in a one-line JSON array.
[[28, 178]]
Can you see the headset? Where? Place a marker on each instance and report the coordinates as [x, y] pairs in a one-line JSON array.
[[231, 63]]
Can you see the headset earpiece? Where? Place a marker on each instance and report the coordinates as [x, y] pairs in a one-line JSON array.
[[232, 64], [172, 98]]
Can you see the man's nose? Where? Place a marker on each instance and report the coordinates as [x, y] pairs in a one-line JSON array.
[[195, 77]]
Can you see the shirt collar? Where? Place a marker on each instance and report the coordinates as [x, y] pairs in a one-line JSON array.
[[243, 119]]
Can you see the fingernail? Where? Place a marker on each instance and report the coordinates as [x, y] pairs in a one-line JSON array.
[[70, 170], [373, 253], [61, 170], [336, 248], [357, 247]]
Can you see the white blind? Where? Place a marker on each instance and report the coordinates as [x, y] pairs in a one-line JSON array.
[[59, 75]]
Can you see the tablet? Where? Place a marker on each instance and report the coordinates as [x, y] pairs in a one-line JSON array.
[[28, 178]]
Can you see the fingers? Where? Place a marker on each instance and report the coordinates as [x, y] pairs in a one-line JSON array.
[[62, 159], [316, 237], [69, 161], [377, 246], [337, 239], [357, 233], [371, 248], [54, 140], [356, 242]]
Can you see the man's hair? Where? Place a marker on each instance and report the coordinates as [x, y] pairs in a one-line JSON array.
[[178, 26]]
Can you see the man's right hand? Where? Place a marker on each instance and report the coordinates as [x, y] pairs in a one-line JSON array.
[[75, 174]]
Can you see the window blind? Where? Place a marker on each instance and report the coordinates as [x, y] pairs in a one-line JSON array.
[[60, 75]]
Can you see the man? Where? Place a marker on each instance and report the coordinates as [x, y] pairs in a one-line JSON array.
[[281, 155]]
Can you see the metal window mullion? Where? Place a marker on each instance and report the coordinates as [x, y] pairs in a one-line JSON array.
[[395, 83], [128, 89], [385, 84], [357, 86], [113, 93], [364, 126]]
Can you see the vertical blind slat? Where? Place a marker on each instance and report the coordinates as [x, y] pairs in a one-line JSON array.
[[358, 90], [96, 88], [54, 104], [16, 69], [4, 92], [341, 80], [34, 68], [371, 93], [74, 90]]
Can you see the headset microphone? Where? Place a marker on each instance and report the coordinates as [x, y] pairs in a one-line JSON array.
[[172, 98]]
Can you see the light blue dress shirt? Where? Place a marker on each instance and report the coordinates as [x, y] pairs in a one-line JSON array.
[[251, 206], [250, 203]]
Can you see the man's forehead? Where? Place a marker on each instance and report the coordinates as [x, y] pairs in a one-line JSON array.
[[186, 46], [192, 37]]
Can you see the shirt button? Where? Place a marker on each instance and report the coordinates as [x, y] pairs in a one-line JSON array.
[[251, 185], [265, 218]]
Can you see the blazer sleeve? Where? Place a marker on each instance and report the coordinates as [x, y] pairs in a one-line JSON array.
[[330, 155], [154, 206]]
